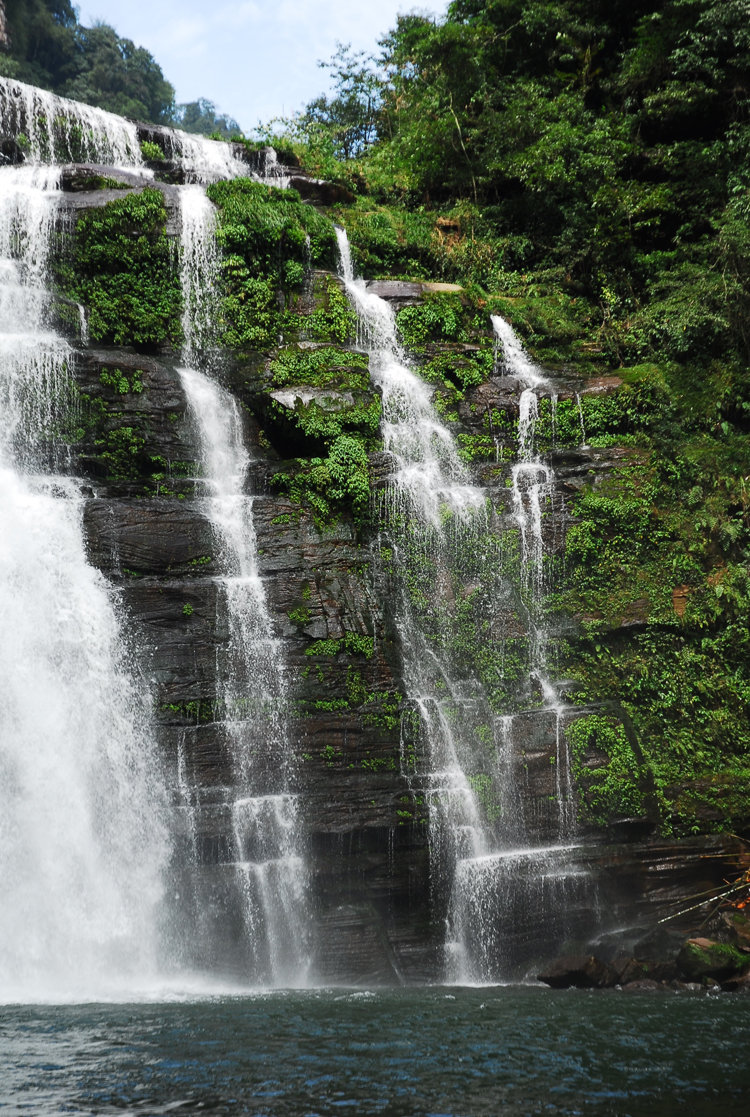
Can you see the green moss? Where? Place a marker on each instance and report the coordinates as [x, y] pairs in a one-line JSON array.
[[609, 777], [268, 238], [122, 271], [716, 959]]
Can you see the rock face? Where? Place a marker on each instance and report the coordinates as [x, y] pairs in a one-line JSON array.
[[332, 604], [701, 958], [367, 838]]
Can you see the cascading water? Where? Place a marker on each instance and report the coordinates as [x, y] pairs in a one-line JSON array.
[[533, 495], [206, 160], [432, 512], [490, 881], [83, 812], [526, 893], [270, 869], [55, 129]]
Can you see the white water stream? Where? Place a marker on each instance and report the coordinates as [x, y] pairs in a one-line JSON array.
[[270, 868], [83, 812], [490, 875], [57, 130]]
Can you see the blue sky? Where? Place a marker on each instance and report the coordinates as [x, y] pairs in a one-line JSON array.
[[255, 59]]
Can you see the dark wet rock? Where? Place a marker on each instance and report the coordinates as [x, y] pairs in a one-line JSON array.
[[644, 985], [149, 537], [583, 971], [11, 152], [700, 959], [364, 821], [629, 970], [734, 927], [399, 291], [686, 986], [740, 983], [320, 192], [76, 178]]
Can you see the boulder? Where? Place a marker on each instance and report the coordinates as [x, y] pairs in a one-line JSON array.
[[700, 959], [644, 985], [583, 971], [738, 984]]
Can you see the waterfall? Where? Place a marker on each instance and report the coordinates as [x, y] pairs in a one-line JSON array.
[[206, 160], [52, 129], [431, 511], [271, 872], [533, 493], [83, 812], [491, 883]]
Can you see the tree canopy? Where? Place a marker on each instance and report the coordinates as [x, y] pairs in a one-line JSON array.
[[607, 139], [48, 47]]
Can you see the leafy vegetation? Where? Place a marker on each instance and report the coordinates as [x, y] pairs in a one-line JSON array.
[[582, 168], [268, 239], [121, 269]]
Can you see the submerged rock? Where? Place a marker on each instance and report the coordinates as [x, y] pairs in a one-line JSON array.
[[584, 971]]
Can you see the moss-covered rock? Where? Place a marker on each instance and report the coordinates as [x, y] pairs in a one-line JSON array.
[[121, 269], [704, 958]]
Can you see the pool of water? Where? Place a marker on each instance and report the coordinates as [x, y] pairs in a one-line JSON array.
[[405, 1052]]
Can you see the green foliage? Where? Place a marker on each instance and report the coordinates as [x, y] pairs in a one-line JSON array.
[[118, 381], [437, 318], [268, 239], [151, 152], [122, 271], [328, 485], [322, 367], [202, 116], [609, 777], [657, 570], [329, 417], [352, 644], [349, 119], [121, 450], [48, 47], [333, 320]]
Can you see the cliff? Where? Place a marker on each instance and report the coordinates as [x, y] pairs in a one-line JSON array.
[[619, 602]]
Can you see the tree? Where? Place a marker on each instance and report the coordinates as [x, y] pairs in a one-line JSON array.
[[119, 76], [203, 117], [352, 116]]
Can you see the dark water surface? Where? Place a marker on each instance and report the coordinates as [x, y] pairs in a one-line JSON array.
[[402, 1052]]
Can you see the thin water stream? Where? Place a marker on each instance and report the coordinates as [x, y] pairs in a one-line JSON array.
[[252, 686], [491, 881]]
